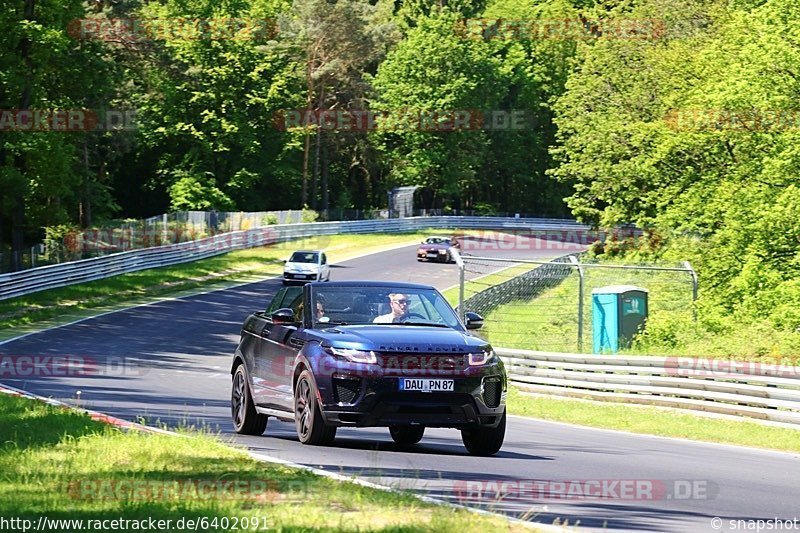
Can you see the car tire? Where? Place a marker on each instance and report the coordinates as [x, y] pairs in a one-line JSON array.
[[246, 420], [406, 435], [484, 441], [308, 421]]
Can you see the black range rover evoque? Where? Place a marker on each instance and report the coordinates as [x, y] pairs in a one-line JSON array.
[[368, 354]]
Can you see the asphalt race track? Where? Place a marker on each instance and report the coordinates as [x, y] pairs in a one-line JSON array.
[[170, 362]]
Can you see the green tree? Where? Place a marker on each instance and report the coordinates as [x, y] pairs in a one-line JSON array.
[[46, 174], [208, 107], [434, 73]]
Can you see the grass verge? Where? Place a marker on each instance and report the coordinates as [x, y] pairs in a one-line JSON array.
[[485, 281], [653, 421], [50, 307], [49, 468]]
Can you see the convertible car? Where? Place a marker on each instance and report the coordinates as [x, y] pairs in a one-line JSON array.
[[368, 354], [436, 249]]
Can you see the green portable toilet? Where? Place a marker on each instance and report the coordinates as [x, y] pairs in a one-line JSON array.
[[618, 313]]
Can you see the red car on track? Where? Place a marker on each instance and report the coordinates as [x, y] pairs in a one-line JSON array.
[[436, 249]]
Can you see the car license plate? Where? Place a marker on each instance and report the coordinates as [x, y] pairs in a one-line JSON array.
[[427, 385], [432, 254]]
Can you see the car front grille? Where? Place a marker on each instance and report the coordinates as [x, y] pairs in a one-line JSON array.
[[346, 389], [301, 276], [422, 364], [492, 389]]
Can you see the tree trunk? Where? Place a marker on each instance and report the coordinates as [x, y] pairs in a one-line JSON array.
[[86, 202], [18, 211], [307, 143], [325, 198], [314, 173], [306, 150]]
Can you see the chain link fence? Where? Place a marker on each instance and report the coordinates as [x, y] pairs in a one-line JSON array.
[[547, 305]]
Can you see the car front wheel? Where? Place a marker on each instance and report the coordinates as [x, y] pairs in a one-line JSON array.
[[484, 441], [406, 435], [311, 428], [246, 420]]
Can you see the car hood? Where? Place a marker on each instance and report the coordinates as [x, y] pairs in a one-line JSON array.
[[399, 338], [302, 267], [435, 246]]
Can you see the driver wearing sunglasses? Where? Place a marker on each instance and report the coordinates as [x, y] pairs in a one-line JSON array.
[[399, 310]]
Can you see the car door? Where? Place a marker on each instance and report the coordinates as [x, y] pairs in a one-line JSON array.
[[279, 348], [268, 369]]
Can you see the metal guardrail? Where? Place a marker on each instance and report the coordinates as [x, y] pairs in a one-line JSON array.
[[744, 389], [37, 279]]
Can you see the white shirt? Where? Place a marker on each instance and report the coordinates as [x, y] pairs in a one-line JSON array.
[[385, 319]]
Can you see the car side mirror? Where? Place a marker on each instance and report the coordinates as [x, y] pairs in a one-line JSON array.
[[473, 320], [283, 316]]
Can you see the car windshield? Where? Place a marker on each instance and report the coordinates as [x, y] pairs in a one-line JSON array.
[[355, 305], [303, 257], [437, 240]]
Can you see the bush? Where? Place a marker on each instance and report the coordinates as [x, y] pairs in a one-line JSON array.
[[62, 243], [308, 215]]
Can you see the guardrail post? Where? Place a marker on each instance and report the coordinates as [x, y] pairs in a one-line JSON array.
[[574, 261], [688, 266], [461, 291], [461, 268], [164, 233]]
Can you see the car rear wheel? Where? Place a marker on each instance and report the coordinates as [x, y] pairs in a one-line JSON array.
[[246, 420], [406, 435], [484, 440], [311, 428]]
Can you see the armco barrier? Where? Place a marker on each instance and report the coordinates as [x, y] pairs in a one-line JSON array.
[[51, 276], [752, 390]]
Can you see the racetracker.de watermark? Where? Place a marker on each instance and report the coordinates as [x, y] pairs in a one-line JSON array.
[[262, 490], [703, 367], [67, 120], [537, 490], [566, 239], [566, 29], [56, 366], [441, 120], [172, 29]]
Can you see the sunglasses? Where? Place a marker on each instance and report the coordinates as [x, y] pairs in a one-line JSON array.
[[401, 302]]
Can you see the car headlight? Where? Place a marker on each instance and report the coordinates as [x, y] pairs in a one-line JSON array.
[[484, 357], [355, 356]]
